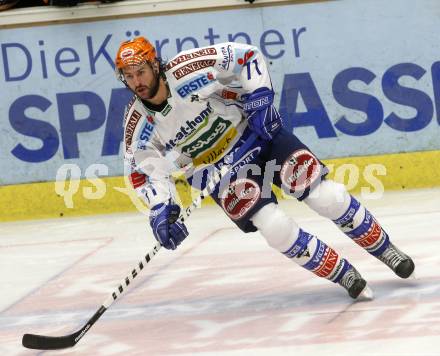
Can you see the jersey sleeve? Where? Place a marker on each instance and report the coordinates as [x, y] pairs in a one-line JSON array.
[[159, 186], [244, 64], [147, 158]]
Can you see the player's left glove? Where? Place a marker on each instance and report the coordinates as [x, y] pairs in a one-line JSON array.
[[166, 229], [263, 117]]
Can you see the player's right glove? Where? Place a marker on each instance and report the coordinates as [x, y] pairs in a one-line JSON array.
[[166, 229], [263, 117]]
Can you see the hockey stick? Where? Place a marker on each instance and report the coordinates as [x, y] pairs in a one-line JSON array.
[[41, 342]]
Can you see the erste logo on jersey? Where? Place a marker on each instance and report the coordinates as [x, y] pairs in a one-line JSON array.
[[147, 129], [194, 84], [210, 51], [190, 128]]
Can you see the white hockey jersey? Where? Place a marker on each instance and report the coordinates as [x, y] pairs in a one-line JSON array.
[[202, 120]]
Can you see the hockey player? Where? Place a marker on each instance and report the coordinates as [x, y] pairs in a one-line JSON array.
[[202, 105]]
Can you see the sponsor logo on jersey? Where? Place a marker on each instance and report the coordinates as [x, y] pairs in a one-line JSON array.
[[128, 108], [147, 129], [247, 158], [300, 170], [240, 197], [194, 84], [191, 128], [230, 95], [210, 51], [137, 179], [213, 154], [246, 57], [166, 110], [130, 127], [207, 139], [228, 57], [256, 104], [243, 57], [193, 67]]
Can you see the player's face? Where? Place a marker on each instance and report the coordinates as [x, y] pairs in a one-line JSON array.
[[143, 80]]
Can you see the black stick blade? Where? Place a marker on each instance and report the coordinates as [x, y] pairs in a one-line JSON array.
[[40, 342]]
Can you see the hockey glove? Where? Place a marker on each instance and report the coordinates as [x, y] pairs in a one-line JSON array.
[[166, 229], [263, 117]]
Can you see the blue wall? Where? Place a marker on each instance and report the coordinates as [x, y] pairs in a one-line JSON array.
[[354, 77]]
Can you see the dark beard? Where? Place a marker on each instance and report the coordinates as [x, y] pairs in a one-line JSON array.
[[152, 91], [155, 88]]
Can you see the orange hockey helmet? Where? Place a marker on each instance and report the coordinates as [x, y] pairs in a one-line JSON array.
[[134, 52]]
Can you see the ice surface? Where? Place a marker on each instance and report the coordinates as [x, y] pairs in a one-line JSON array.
[[222, 292]]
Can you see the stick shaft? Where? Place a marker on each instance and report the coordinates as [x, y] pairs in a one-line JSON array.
[[134, 273], [41, 342]]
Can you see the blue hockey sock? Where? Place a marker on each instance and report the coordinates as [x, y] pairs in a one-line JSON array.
[[358, 223], [316, 256]]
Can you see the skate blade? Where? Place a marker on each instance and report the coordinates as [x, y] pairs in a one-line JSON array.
[[366, 294]]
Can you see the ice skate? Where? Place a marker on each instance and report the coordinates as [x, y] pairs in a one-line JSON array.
[[355, 285], [400, 263]]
